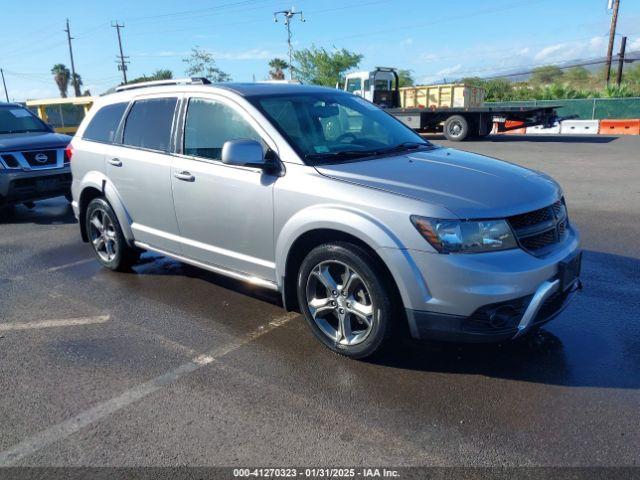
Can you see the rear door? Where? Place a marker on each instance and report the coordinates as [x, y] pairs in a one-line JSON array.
[[225, 213], [140, 169]]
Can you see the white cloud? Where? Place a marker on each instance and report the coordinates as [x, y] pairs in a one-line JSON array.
[[566, 51], [449, 70], [634, 45]]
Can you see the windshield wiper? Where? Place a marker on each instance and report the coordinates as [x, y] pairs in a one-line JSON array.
[[343, 154], [404, 146], [367, 153]]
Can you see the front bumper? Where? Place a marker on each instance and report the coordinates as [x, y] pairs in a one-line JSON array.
[[448, 296], [488, 324], [24, 186]]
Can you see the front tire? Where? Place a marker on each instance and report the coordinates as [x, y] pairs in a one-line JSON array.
[[346, 298], [456, 128], [106, 237]]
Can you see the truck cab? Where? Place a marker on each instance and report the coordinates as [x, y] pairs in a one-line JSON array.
[[380, 86]]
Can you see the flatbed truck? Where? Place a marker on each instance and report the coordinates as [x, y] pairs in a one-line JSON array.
[[381, 86]]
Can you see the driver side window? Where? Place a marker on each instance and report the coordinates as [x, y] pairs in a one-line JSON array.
[[209, 124]]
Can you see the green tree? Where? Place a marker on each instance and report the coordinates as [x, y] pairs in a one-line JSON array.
[[201, 63], [61, 75], [577, 77], [498, 89], [320, 67], [405, 78], [546, 75], [76, 81], [277, 66], [160, 74]]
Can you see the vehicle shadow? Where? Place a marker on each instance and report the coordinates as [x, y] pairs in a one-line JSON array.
[[56, 211], [594, 343]]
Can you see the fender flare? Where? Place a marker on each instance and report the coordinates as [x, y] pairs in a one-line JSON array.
[[100, 182], [357, 224]]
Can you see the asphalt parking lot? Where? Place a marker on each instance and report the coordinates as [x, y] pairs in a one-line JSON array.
[[171, 365]]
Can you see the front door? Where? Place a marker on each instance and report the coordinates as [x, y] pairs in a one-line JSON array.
[[225, 213]]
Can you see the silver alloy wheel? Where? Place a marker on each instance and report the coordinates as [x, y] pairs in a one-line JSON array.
[[103, 235], [454, 128], [340, 302]]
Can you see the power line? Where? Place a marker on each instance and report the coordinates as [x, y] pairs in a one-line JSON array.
[[288, 16], [74, 77], [123, 62]]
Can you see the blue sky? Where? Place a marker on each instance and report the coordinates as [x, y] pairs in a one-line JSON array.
[[433, 39]]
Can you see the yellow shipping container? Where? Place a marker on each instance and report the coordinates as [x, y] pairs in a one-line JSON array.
[[455, 95]]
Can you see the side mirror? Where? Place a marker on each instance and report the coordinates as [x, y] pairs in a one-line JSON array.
[[247, 153]]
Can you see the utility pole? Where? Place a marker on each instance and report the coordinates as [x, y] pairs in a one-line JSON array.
[[6, 94], [623, 47], [122, 65], [288, 16], [612, 37], [74, 79]]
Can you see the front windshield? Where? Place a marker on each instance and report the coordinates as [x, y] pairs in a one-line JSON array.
[[14, 119], [327, 127]]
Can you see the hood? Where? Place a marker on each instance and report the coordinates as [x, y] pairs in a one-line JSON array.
[[32, 141], [467, 184]]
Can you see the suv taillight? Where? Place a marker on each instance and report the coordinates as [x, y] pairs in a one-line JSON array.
[[68, 153]]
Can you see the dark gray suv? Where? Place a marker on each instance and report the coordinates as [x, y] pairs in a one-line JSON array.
[[33, 163]]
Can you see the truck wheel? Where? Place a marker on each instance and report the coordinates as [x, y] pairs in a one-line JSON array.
[[456, 128], [106, 237], [345, 299]]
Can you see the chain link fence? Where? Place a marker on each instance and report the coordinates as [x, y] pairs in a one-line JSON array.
[[585, 108]]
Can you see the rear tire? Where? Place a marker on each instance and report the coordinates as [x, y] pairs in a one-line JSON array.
[[456, 128], [106, 237], [347, 299]]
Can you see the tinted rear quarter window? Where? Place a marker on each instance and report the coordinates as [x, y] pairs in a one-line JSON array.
[[104, 123], [149, 122]]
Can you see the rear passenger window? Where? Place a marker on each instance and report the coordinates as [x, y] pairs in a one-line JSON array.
[[103, 125], [209, 124], [149, 122]]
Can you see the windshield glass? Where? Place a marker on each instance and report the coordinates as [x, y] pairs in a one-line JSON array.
[[15, 119], [326, 127]]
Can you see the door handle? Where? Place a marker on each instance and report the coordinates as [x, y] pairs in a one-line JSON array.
[[185, 176], [116, 162]]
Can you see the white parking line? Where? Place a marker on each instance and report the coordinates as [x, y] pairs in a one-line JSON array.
[[68, 322], [72, 264], [101, 410]]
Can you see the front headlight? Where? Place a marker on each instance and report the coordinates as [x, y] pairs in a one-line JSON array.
[[463, 236]]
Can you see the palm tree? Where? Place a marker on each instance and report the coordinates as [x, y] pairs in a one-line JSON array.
[[77, 83], [61, 76], [277, 67]]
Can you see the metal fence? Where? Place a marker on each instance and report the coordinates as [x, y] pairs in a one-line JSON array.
[[585, 108]]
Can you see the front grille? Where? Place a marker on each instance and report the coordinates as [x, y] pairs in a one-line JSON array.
[[42, 158], [536, 231]]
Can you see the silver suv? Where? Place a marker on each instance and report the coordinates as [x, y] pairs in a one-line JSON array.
[[356, 220]]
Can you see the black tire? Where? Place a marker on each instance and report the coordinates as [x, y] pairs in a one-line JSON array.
[[123, 256], [456, 128], [378, 295]]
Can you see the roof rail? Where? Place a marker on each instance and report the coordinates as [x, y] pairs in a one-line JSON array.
[[161, 83]]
